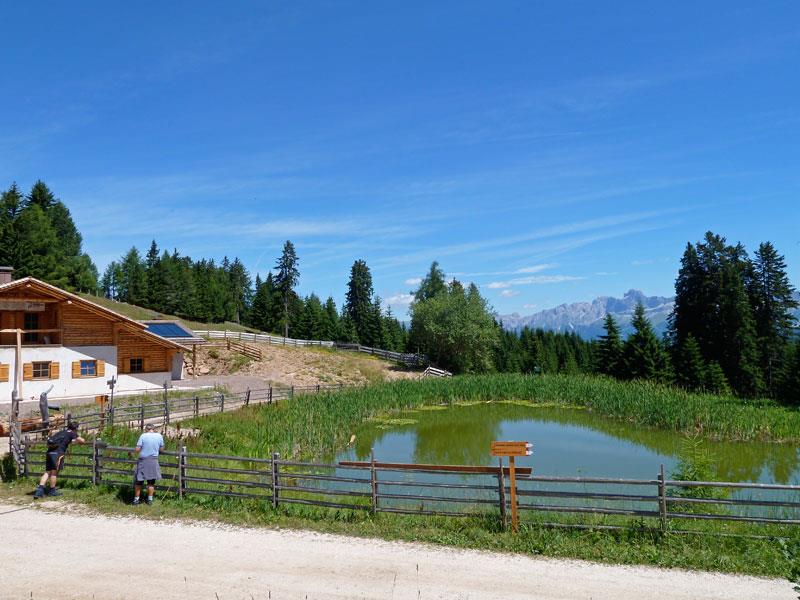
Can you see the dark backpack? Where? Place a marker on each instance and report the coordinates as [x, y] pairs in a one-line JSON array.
[[55, 441]]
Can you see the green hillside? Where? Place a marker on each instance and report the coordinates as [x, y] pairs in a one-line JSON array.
[[143, 314]]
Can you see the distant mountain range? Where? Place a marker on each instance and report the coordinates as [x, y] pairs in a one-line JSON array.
[[586, 318]]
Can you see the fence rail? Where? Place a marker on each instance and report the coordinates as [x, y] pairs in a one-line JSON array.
[[166, 409], [411, 360], [456, 491]]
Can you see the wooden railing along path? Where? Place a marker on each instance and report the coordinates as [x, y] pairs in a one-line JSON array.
[[411, 360], [437, 490]]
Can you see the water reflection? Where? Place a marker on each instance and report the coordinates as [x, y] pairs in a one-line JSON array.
[[566, 442]]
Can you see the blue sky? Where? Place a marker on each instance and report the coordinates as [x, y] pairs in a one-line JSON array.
[[550, 152]]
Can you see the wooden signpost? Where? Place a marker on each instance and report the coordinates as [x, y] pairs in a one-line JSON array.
[[512, 450]]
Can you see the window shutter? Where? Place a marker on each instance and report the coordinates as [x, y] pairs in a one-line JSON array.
[[76, 369], [27, 372], [123, 365], [55, 370], [3, 373], [101, 368], [146, 365]]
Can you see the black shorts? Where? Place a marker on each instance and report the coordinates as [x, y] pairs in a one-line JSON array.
[[53, 461], [149, 482]]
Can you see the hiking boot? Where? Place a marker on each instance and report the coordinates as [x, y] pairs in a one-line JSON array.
[[39, 493], [149, 501], [135, 502], [54, 492]]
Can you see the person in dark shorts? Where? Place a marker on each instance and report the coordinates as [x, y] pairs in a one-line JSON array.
[[57, 445], [149, 446]]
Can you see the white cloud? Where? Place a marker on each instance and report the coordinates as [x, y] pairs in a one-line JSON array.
[[606, 273], [399, 299], [529, 306], [509, 293], [413, 281], [533, 280], [535, 268]]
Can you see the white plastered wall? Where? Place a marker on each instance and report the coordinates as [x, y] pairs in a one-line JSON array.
[[65, 386]]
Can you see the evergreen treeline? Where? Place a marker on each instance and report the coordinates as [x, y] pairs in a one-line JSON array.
[[39, 239], [731, 330], [213, 293]]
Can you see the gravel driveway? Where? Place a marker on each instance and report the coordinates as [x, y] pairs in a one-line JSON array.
[[61, 554]]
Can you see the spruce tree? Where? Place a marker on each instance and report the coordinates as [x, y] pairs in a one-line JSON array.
[[643, 355], [609, 348], [690, 369], [331, 321], [359, 306], [771, 297], [261, 300], [286, 280], [716, 382], [432, 285]]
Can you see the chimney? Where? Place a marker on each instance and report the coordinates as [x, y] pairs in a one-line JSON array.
[[6, 275]]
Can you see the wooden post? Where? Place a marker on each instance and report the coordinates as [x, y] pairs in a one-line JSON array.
[[94, 462], [18, 359], [221, 402], [97, 467], [197, 406], [247, 397], [513, 473], [662, 499], [318, 388], [501, 489], [25, 462], [181, 471], [373, 477], [141, 417], [291, 395], [269, 401], [166, 406], [275, 479]]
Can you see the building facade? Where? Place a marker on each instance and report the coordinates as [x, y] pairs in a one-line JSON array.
[[57, 342]]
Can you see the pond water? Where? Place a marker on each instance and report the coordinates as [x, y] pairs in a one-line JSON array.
[[566, 442]]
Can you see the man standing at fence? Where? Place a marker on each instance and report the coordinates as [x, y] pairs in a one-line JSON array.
[[149, 446], [57, 445]]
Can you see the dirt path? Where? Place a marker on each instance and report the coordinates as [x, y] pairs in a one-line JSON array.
[[61, 554]]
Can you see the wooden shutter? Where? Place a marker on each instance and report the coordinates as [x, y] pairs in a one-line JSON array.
[[123, 365], [145, 365], [101, 368], [76, 369], [55, 370], [27, 372], [3, 373]]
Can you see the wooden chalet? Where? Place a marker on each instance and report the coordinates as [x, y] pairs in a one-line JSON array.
[[53, 340]]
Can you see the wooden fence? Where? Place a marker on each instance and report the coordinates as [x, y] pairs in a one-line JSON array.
[[435, 490], [411, 360]]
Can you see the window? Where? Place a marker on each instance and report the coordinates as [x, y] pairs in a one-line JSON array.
[[41, 370], [88, 368], [31, 322], [137, 365]]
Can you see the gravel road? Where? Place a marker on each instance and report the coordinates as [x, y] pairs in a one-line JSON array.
[[58, 552]]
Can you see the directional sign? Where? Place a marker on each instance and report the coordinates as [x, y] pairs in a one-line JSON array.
[[512, 449]]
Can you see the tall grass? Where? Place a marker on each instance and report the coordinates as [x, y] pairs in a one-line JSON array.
[[319, 425]]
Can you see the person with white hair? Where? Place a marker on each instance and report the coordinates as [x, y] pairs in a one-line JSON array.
[[149, 446]]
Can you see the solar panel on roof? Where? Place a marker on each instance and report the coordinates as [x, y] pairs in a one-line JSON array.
[[168, 330]]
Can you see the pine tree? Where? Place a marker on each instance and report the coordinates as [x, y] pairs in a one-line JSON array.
[[331, 325], [690, 369], [771, 296], [643, 355], [260, 316], [286, 280], [790, 380], [11, 206], [609, 348]]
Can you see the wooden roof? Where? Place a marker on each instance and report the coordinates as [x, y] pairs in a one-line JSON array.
[[30, 284]]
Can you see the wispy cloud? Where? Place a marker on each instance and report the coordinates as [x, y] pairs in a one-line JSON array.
[[509, 293], [413, 281], [399, 299]]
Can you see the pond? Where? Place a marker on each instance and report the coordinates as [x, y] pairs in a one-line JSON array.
[[566, 442]]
